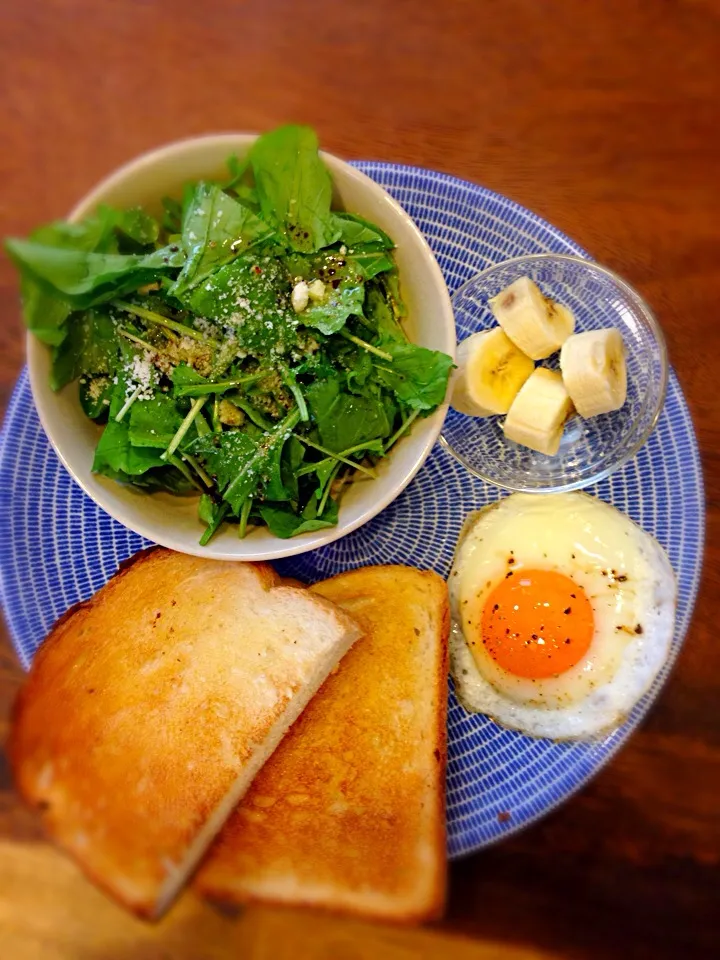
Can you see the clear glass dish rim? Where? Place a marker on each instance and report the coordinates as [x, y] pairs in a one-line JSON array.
[[658, 335]]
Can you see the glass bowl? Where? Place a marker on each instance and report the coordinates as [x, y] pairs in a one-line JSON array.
[[590, 449]]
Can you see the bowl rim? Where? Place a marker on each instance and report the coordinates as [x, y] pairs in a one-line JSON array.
[[305, 542], [657, 333]]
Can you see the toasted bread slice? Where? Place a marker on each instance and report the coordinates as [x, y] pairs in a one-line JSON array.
[[349, 813], [150, 708]]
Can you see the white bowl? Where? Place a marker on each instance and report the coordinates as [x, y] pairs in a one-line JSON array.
[[172, 521]]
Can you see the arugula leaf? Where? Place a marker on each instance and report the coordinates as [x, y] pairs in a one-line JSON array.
[[212, 514], [227, 456], [294, 187], [284, 523], [184, 376], [240, 462], [90, 346], [345, 420], [154, 423], [282, 482], [417, 376], [90, 278], [355, 230], [329, 316], [215, 230], [391, 283], [325, 470], [369, 262], [359, 368], [380, 314]]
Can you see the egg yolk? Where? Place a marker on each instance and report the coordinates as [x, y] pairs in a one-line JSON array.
[[537, 623]]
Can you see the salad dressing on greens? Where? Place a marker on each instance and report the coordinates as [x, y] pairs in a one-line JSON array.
[[248, 346]]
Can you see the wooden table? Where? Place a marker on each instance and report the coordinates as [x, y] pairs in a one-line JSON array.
[[602, 117]]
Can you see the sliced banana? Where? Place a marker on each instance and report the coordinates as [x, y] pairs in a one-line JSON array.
[[490, 371], [536, 325], [539, 411], [594, 370]]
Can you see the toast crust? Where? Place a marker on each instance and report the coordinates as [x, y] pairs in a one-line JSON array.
[[349, 813], [146, 703]]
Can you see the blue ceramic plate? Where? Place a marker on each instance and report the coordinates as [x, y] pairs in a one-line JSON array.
[[58, 547]]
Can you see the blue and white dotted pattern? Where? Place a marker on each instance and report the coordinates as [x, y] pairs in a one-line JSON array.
[[57, 547]]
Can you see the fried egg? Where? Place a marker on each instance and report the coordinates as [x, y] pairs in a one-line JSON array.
[[563, 614]]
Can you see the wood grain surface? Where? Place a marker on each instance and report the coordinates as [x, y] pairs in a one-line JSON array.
[[602, 116]]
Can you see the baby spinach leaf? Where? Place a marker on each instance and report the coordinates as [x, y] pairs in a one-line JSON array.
[[94, 233], [284, 523], [343, 419], [355, 230], [165, 478], [294, 187], [136, 224], [44, 312], [116, 452], [88, 278], [91, 346], [215, 230], [154, 423], [172, 215], [330, 315], [44, 309], [95, 394], [254, 299], [236, 169], [417, 376]]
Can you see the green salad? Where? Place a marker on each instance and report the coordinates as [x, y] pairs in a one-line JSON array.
[[247, 346]]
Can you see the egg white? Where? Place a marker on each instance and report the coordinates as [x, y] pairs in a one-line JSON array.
[[625, 574]]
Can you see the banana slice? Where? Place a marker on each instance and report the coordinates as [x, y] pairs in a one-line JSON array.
[[539, 412], [594, 371], [490, 371], [536, 325]]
